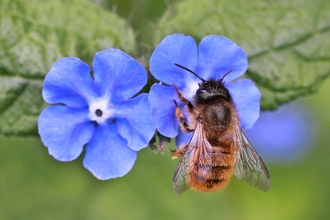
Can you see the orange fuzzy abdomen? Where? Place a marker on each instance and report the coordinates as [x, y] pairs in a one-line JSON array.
[[209, 178]]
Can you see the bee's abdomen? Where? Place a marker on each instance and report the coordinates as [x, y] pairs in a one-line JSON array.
[[209, 178]]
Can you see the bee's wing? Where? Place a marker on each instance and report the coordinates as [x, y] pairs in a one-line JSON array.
[[180, 181], [198, 151], [249, 166]]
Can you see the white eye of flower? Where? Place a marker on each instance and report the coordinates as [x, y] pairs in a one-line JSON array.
[[99, 111], [190, 90]]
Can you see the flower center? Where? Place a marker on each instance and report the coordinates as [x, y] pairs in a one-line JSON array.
[[99, 111], [190, 90]]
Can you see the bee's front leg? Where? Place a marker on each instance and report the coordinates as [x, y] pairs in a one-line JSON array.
[[191, 108], [179, 115]]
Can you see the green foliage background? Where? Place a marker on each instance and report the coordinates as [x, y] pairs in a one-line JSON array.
[[288, 44]]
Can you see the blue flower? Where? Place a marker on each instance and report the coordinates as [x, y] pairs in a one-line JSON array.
[[284, 134], [98, 112], [214, 56]]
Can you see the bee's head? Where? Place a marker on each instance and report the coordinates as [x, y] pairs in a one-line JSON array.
[[211, 89]]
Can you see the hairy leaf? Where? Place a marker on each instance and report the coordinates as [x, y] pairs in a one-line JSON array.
[[35, 34], [287, 42]]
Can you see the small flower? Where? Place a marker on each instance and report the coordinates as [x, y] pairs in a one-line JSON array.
[[99, 112], [214, 56], [284, 134]]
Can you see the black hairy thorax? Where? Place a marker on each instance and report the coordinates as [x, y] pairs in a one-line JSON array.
[[213, 101]]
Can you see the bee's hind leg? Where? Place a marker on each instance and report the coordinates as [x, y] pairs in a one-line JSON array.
[[179, 152]]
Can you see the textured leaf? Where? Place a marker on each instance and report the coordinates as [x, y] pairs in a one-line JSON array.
[[287, 42], [34, 34]]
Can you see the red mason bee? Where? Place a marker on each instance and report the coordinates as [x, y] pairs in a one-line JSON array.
[[218, 147]]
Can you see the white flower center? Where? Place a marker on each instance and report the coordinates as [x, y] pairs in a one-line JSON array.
[[99, 111], [190, 90]]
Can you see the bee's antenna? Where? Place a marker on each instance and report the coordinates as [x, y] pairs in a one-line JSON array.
[[226, 74], [190, 71]]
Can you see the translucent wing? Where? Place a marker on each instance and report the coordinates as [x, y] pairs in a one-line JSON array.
[[249, 166], [198, 151], [180, 180]]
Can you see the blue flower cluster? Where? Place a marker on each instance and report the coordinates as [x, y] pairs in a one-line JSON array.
[[283, 135], [103, 112]]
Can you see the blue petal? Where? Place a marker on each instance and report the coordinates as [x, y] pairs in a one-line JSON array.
[[107, 154], [218, 55], [134, 123], [69, 82], [246, 97], [65, 131], [163, 109], [183, 138], [118, 75], [178, 49]]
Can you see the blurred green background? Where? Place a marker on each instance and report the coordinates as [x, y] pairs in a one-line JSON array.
[[33, 185]]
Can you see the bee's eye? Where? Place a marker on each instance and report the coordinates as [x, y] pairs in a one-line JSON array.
[[200, 90], [225, 91]]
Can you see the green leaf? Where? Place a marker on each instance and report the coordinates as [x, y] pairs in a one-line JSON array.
[[287, 42], [34, 35]]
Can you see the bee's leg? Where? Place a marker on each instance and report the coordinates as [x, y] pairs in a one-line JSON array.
[[179, 152], [180, 117], [191, 108]]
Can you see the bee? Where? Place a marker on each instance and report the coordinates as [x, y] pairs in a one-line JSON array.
[[218, 147]]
